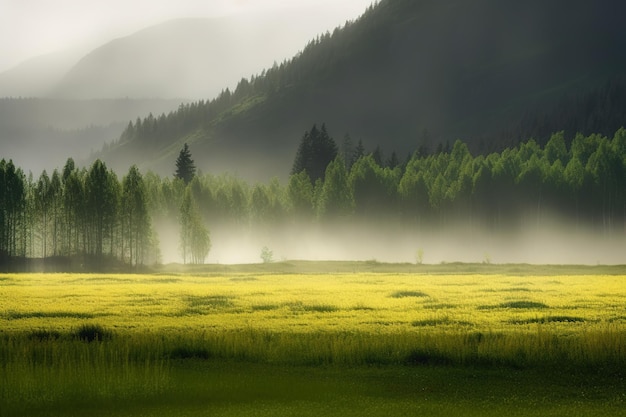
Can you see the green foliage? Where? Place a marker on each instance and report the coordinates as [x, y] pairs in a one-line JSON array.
[[267, 256], [419, 256], [195, 242], [335, 200], [523, 304], [301, 195], [350, 78], [135, 217], [88, 215], [185, 167], [315, 152], [405, 294]]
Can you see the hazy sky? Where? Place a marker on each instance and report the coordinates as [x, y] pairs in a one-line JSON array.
[[30, 28]]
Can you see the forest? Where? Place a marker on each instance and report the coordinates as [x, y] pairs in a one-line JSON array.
[[487, 80], [91, 218]]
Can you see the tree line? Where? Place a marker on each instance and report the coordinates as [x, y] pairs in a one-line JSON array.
[[75, 212], [93, 214]]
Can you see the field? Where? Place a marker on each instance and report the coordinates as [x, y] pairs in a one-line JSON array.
[[316, 339]]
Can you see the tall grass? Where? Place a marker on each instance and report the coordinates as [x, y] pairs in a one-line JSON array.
[[62, 371], [49, 370]]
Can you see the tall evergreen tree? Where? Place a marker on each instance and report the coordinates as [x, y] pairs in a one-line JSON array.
[[135, 218], [317, 149], [42, 204], [12, 202], [101, 207], [185, 167]]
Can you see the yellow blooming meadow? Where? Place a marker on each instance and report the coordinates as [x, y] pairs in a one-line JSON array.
[[362, 302]]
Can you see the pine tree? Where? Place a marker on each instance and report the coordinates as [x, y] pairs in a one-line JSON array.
[[185, 168], [317, 149]]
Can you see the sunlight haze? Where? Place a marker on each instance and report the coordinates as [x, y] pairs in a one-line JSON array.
[[29, 28]]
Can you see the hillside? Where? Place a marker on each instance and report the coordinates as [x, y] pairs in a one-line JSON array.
[[41, 133], [406, 72], [37, 76], [182, 58]]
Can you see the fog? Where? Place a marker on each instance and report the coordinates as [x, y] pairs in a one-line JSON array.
[[553, 242], [42, 43], [40, 134]]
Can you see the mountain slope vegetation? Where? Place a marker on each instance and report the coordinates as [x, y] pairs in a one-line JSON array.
[[405, 73]]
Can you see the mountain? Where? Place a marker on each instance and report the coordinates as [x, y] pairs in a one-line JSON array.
[[60, 105], [190, 58], [41, 133], [406, 72], [37, 76]]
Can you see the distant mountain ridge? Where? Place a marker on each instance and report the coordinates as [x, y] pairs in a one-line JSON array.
[[185, 58], [182, 58], [406, 72], [37, 76]]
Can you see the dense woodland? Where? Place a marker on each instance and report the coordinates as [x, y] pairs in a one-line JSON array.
[[408, 73], [96, 217]]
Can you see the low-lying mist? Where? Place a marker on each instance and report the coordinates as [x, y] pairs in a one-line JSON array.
[[551, 242]]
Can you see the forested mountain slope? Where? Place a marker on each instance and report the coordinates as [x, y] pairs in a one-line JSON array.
[[407, 72]]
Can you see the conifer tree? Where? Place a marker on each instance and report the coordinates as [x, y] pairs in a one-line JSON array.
[[185, 167], [317, 149]]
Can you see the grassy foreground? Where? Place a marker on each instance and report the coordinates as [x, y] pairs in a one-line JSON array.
[[300, 341]]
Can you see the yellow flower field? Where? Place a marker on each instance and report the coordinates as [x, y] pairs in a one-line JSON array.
[[361, 302], [70, 340]]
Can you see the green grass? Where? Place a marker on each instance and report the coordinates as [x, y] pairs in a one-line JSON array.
[[206, 387], [14, 315], [549, 319], [236, 343], [404, 294]]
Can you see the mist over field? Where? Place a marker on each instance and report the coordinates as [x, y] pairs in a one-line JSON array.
[[552, 242]]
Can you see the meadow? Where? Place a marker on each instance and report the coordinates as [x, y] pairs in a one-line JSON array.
[[316, 339]]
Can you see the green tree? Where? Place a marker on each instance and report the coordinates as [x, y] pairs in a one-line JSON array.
[[336, 199], [317, 149], [185, 167], [267, 255], [74, 206], [12, 203], [413, 192], [609, 176], [195, 242], [100, 208], [56, 209], [135, 217], [301, 196], [556, 149], [374, 189], [42, 204], [359, 152]]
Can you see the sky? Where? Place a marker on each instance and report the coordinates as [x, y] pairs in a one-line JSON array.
[[30, 28]]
